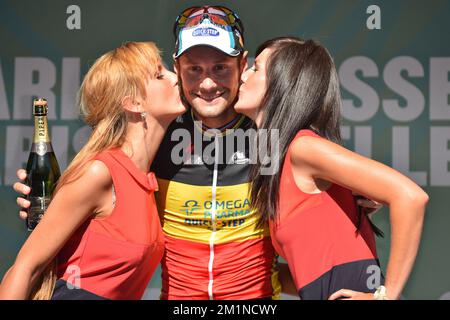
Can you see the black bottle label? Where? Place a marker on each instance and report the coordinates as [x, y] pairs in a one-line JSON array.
[[36, 211]]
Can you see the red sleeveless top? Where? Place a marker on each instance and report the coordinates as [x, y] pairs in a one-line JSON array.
[[317, 235], [115, 257]]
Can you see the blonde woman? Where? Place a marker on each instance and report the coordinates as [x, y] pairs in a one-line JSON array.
[[101, 237]]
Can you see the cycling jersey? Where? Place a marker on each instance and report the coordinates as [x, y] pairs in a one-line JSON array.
[[215, 248]]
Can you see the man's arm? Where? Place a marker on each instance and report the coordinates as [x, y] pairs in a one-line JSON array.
[[285, 277]]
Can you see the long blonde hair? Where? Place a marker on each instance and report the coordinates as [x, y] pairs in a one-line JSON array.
[[116, 74]]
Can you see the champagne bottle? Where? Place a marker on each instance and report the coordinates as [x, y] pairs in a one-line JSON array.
[[42, 167]]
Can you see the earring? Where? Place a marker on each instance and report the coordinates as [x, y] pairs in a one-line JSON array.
[[143, 116]]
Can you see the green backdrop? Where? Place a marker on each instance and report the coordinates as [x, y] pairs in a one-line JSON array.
[[395, 85]]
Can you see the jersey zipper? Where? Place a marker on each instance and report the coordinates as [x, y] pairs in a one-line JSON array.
[[213, 219]]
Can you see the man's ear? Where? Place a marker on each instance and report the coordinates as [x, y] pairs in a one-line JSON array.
[[130, 104], [244, 62], [176, 65]]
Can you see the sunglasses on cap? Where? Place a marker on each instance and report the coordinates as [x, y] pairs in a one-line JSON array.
[[218, 15]]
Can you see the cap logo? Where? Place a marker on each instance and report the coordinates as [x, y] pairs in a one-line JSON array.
[[205, 32]]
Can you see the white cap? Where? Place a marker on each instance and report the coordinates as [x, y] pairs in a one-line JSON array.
[[208, 34]]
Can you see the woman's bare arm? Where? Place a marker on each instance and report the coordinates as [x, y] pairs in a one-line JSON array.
[[319, 158], [71, 206]]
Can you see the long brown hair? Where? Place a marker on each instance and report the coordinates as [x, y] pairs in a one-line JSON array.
[[302, 93], [118, 73]]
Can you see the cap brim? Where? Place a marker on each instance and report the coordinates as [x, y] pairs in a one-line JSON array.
[[227, 51]]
